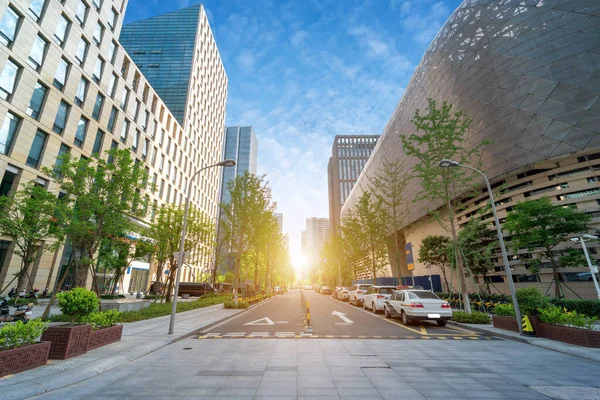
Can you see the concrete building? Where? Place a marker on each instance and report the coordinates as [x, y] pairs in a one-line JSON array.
[[349, 154], [240, 145], [279, 217], [523, 72], [68, 85], [316, 234]]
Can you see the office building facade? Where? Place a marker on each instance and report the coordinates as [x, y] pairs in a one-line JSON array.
[[523, 72], [349, 155], [240, 145], [314, 237], [68, 85]]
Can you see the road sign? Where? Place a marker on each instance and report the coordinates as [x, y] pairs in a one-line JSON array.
[[347, 321]]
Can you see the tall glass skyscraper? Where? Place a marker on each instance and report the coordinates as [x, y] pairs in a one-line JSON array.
[[240, 145]]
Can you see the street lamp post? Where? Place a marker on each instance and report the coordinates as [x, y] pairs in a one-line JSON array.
[[224, 163], [511, 285], [593, 269]]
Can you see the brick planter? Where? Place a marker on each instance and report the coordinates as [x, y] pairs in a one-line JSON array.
[[23, 358], [506, 323], [104, 336], [67, 341], [567, 334]]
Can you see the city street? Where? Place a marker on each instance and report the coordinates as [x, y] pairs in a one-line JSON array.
[[282, 317]]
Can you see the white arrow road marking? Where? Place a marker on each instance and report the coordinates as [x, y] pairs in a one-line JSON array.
[[281, 322], [343, 317], [267, 321]]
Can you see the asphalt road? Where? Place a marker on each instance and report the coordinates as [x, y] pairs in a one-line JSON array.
[[282, 317]]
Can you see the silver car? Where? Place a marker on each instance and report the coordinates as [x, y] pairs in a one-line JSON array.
[[357, 293], [417, 305]]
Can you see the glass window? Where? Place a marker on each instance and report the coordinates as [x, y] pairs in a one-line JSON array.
[[98, 69], [98, 142], [124, 98], [60, 121], [37, 148], [38, 52], [9, 25], [97, 4], [37, 100], [82, 50], [112, 51], [81, 91], [112, 21], [112, 119], [136, 138], [145, 148], [81, 132], [62, 28], [124, 131], [112, 85], [113, 145], [36, 8], [423, 294], [386, 290], [8, 132], [82, 10], [60, 78], [98, 107], [64, 149], [8, 79], [98, 33]]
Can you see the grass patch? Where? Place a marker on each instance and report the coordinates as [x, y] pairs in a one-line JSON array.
[[475, 318], [241, 304], [161, 309]]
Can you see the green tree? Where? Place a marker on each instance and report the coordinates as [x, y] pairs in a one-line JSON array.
[[32, 217], [434, 252], [389, 188], [478, 243], [442, 136], [539, 224]]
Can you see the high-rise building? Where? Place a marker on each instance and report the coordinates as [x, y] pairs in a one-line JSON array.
[[68, 85], [316, 234], [349, 156], [279, 217], [240, 145]]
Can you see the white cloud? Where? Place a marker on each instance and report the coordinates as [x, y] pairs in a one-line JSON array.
[[299, 38], [246, 60], [427, 24]]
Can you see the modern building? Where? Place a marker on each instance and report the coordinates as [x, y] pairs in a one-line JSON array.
[[528, 75], [314, 237], [240, 145], [279, 217], [68, 85], [349, 154]]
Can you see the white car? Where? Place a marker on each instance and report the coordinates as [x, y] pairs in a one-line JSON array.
[[357, 292], [344, 294], [417, 305], [375, 297]]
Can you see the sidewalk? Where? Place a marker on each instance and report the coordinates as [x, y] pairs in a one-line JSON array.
[[577, 351], [139, 339]]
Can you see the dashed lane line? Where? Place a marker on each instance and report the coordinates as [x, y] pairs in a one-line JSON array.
[[293, 335]]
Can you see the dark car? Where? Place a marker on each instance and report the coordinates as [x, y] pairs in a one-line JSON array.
[[195, 289]]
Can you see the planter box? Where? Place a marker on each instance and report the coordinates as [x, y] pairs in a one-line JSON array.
[[506, 323], [67, 341], [567, 334], [104, 336], [23, 358], [125, 305]]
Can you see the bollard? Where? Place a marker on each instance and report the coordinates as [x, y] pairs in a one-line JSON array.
[[307, 313]]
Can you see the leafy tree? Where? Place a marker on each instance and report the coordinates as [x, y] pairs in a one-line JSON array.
[[442, 136], [478, 243], [538, 224], [389, 188], [32, 217], [434, 252], [572, 258]]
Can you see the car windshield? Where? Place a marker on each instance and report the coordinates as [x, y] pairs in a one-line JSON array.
[[386, 290], [364, 287], [423, 295]]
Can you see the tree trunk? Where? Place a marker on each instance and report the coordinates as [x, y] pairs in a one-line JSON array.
[[555, 276], [445, 276], [396, 255], [459, 264], [373, 265], [57, 285]]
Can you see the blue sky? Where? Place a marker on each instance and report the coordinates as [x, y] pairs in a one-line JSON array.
[[303, 71]]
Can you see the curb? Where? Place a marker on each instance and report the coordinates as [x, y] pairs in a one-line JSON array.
[[485, 331]]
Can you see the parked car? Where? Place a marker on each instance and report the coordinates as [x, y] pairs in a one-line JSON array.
[[375, 297], [195, 288], [344, 293], [417, 305], [335, 292], [325, 290], [278, 290], [357, 293]]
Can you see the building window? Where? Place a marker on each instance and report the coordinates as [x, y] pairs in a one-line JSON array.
[[60, 121], [112, 86], [145, 149], [124, 98], [124, 131], [81, 91], [7, 183], [113, 146], [60, 78], [8, 132], [81, 132], [112, 21], [98, 142], [8, 79], [36, 9], [97, 4], [112, 51], [112, 119], [11, 20], [82, 11], [98, 107], [125, 67], [146, 120], [37, 148], [98, 69], [38, 52], [64, 149], [98, 34], [137, 110], [62, 28], [82, 50], [37, 100], [136, 139]]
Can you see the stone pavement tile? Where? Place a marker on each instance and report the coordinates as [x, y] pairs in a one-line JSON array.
[[408, 371], [354, 384], [391, 384], [433, 392], [235, 391], [346, 371], [321, 371], [402, 394], [524, 393], [275, 397], [370, 397], [481, 394], [242, 382], [336, 397], [468, 386], [350, 378], [362, 392], [317, 392], [315, 382], [277, 389]]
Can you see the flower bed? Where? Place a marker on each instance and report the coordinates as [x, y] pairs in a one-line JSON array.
[[67, 341], [568, 334]]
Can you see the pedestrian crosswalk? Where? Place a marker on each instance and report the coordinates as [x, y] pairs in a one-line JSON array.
[[303, 335]]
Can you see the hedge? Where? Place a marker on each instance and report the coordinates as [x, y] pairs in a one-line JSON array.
[[591, 308]]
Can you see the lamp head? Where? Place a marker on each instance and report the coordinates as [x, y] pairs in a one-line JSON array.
[[590, 237], [445, 163], [226, 163]]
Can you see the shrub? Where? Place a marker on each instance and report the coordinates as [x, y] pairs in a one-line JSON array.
[[161, 309], [77, 303], [551, 315], [531, 300], [101, 320], [505, 310], [21, 301], [151, 297], [475, 318], [20, 334], [209, 295], [111, 296], [556, 316], [241, 304], [586, 307]]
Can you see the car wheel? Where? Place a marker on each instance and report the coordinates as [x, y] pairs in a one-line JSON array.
[[441, 322], [364, 305], [373, 308], [386, 312], [405, 319]]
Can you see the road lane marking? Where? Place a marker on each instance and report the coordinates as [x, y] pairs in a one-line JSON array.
[[424, 332], [267, 321], [343, 317]]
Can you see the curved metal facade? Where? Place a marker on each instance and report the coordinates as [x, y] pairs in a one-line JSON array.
[[526, 71]]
